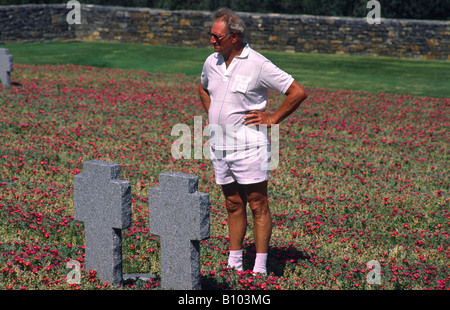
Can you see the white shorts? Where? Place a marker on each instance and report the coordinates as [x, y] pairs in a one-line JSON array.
[[243, 166]]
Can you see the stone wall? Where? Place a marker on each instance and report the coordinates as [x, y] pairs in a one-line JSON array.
[[293, 33], [31, 23]]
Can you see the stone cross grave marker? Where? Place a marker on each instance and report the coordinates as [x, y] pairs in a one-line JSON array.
[[6, 66], [179, 214], [103, 202]]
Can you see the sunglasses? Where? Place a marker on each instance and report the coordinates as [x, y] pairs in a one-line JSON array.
[[216, 37]]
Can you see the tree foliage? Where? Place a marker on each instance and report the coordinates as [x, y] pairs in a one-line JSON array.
[[417, 9]]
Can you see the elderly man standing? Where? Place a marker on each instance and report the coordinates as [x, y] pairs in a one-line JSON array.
[[234, 88]]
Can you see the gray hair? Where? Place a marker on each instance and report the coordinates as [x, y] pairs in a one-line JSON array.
[[233, 23]]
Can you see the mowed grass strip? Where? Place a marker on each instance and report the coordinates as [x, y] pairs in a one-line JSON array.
[[427, 78]]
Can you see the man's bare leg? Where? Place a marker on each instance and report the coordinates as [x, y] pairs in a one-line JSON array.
[[236, 203], [236, 200], [262, 221]]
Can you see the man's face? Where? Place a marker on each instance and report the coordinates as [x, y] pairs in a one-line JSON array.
[[221, 39]]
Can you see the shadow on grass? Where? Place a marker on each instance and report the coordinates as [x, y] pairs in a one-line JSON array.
[[211, 283], [277, 258]]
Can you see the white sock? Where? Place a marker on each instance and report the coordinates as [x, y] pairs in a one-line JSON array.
[[260, 263], [235, 260]]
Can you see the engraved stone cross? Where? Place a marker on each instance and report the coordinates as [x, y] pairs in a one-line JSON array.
[[179, 214], [103, 202], [6, 66]]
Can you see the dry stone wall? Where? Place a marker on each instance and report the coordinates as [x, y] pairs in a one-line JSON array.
[[293, 33]]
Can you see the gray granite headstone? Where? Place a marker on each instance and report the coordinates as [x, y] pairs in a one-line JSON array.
[[103, 202], [6, 66], [179, 214]]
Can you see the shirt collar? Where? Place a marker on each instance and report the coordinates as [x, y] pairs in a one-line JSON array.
[[245, 51]]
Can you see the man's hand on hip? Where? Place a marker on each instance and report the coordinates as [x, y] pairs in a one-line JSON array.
[[258, 118]]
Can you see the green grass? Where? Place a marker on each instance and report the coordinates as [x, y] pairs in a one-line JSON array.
[[361, 177], [428, 78]]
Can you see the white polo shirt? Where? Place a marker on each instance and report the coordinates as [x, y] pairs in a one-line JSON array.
[[235, 91]]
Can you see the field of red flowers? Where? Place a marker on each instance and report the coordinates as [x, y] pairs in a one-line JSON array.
[[361, 177]]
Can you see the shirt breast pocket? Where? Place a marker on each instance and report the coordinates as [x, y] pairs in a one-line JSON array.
[[241, 83]]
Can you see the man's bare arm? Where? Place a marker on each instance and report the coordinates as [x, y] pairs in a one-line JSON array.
[[295, 95], [204, 97]]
